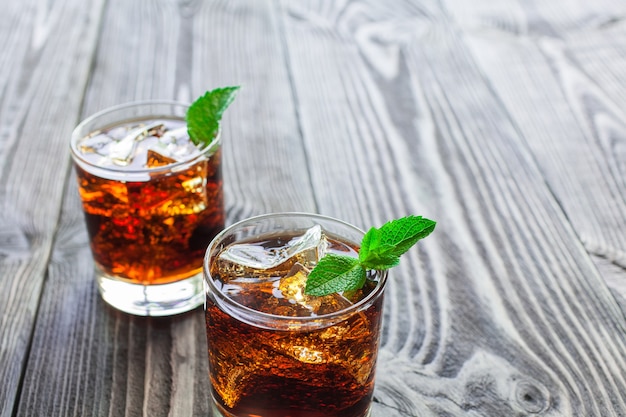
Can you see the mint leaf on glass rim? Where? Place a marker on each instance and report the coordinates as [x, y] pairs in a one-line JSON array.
[[335, 273], [204, 115], [380, 249], [393, 239]]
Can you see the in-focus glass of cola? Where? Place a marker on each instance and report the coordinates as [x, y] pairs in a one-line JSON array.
[[273, 350]]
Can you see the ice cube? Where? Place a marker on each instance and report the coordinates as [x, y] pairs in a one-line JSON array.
[[251, 256], [118, 133], [174, 135], [122, 152], [348, 345], [310, 256], [332, 303], [176, 144], [95, 143], [259, 257], [307, 354], [292, 287], [155, 159]]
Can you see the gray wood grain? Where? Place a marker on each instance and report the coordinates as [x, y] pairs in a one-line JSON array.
[[501, 120], [112, 364], [41, 85], [494, 315], [554, 77]]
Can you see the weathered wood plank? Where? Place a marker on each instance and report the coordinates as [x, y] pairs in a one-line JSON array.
[[564, 89], [613, 275], [88, 359], [501, 311], [266, 165], [396, 110], [47, 48]]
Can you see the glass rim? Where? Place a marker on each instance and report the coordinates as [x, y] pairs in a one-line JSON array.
[[278, 322], [75, 137]]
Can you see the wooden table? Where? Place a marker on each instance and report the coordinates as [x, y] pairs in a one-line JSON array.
[[504, 121]]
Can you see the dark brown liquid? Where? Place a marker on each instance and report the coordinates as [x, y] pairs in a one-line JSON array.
[[155, 231], [256, 372]]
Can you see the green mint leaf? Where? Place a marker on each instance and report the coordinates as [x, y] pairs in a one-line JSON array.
[[204, 115], [383, 257], [371, 239], [380, 249], [405, 232], [392, 240], [335, 273]]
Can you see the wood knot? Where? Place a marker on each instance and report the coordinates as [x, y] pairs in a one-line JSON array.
[[532, 397]]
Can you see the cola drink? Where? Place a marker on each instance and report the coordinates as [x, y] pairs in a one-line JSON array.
[[152, 201], [275, 351]]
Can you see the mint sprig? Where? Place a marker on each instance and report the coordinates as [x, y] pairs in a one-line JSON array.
[[380, 249], [204, 115]]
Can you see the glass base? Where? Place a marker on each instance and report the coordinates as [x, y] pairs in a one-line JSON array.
[[218, 411], [151, 300]]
